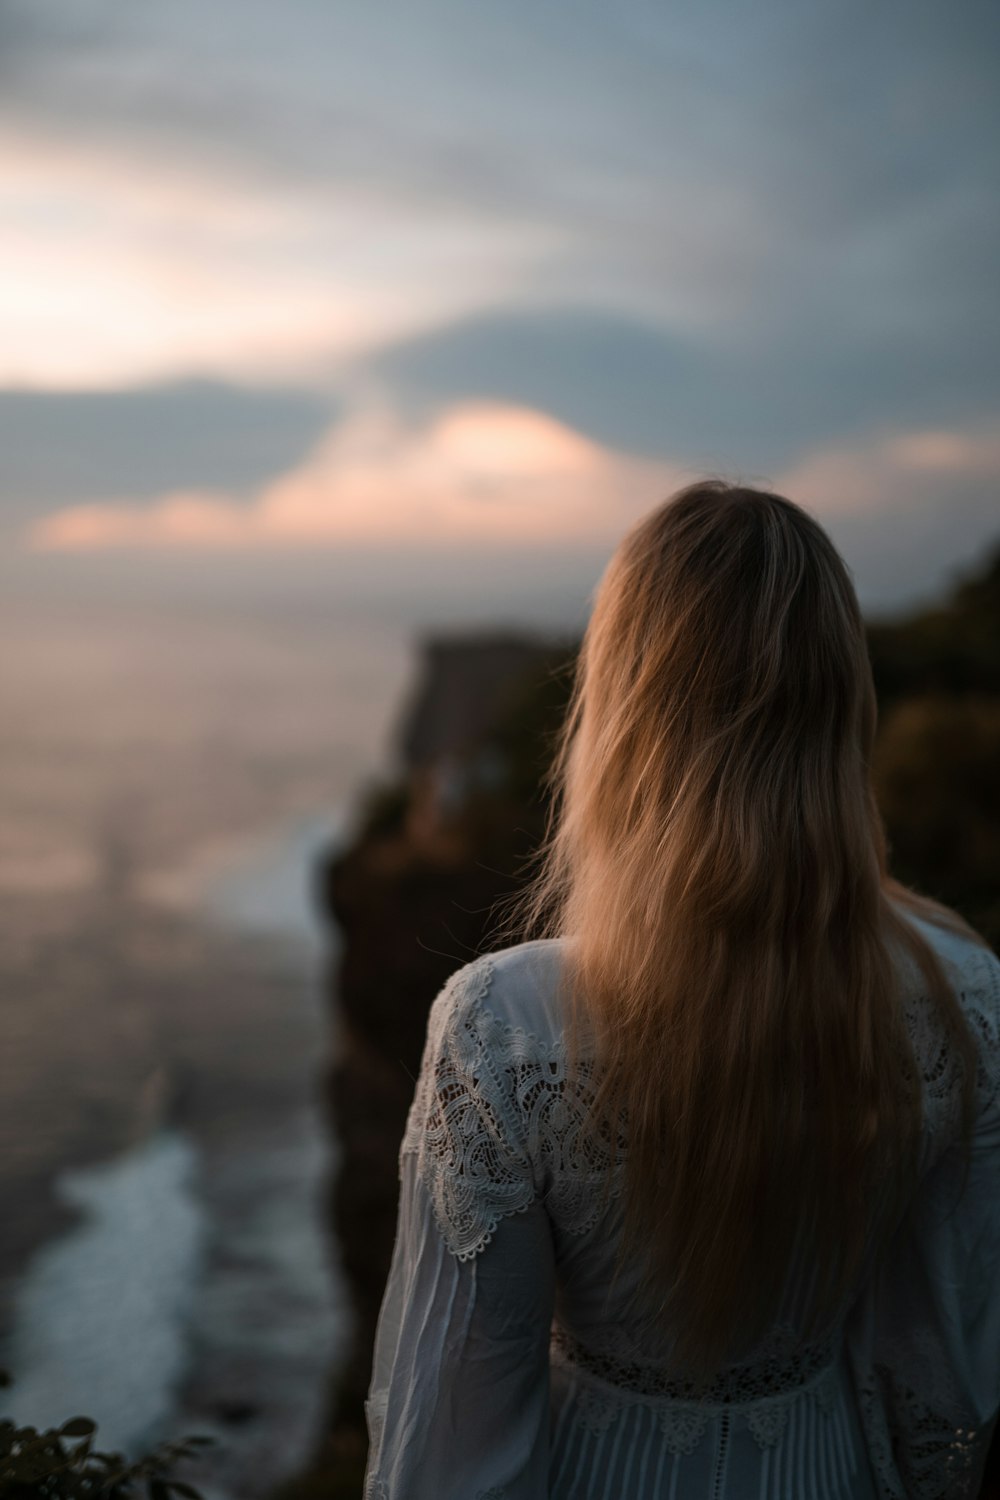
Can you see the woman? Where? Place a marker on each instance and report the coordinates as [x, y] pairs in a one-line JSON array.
[[700, 1195]]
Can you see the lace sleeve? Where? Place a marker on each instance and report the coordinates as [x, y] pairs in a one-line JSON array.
[[458, 1406], [464, 1127], [924, 1338]]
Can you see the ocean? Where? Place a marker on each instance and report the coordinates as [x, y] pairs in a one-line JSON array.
[[180, 746], [171, 779]]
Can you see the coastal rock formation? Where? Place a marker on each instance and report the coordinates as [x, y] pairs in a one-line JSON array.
[[420, 891]]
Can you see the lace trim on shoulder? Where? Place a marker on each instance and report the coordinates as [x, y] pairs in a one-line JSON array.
[[463, 1125], [497, 1122], [981, 1001], [935, 1058]]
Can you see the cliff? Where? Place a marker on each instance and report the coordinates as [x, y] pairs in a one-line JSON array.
[[419, 892]]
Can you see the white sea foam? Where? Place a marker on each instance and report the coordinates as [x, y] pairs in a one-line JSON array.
[[100, 1321], [263, 882], [272, 890]]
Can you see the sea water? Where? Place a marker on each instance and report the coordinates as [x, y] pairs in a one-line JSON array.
[[102, 1314], [170, 790]]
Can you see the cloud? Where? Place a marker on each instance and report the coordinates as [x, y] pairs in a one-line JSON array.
[[114, 270], [625, 383], [477, 472], [809, 188], [61, 447], [897, 472], [751, 244], [725, 403], [908, 509]]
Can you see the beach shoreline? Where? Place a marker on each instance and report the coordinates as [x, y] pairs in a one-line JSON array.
[[216, 1025]]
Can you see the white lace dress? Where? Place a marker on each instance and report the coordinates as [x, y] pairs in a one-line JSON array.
[[506, 1366]]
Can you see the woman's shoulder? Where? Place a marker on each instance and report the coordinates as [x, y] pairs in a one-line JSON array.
[[970, 965], [972, 970], [518, 987]]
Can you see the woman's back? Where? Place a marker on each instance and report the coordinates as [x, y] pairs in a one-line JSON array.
[[773, 1059], [516, 1225]]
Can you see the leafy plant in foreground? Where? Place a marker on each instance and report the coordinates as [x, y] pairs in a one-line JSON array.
[[61, 1463]]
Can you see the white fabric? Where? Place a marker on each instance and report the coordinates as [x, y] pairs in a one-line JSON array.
[[508, 1363]]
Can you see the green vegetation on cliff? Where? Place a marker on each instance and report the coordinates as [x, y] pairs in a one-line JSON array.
[[937, 757]]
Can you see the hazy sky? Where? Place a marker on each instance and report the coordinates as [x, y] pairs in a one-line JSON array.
[[446, 278]]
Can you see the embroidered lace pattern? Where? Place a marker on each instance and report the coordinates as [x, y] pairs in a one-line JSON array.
[[496, 1123], [939, 1066], [940, 1458], [783, 1365], [760, 1393]]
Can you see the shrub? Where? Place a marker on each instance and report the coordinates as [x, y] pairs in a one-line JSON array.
[[61, 1463]]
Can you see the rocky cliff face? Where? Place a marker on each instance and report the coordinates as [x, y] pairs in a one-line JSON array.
[[421, 891]]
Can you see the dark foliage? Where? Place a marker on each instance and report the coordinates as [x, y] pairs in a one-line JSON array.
[[62, 1463], [938, 748]]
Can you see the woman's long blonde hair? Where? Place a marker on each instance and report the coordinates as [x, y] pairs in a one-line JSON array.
[[717, 857]]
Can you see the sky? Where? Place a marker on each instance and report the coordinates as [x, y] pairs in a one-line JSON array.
[[329, 295]]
